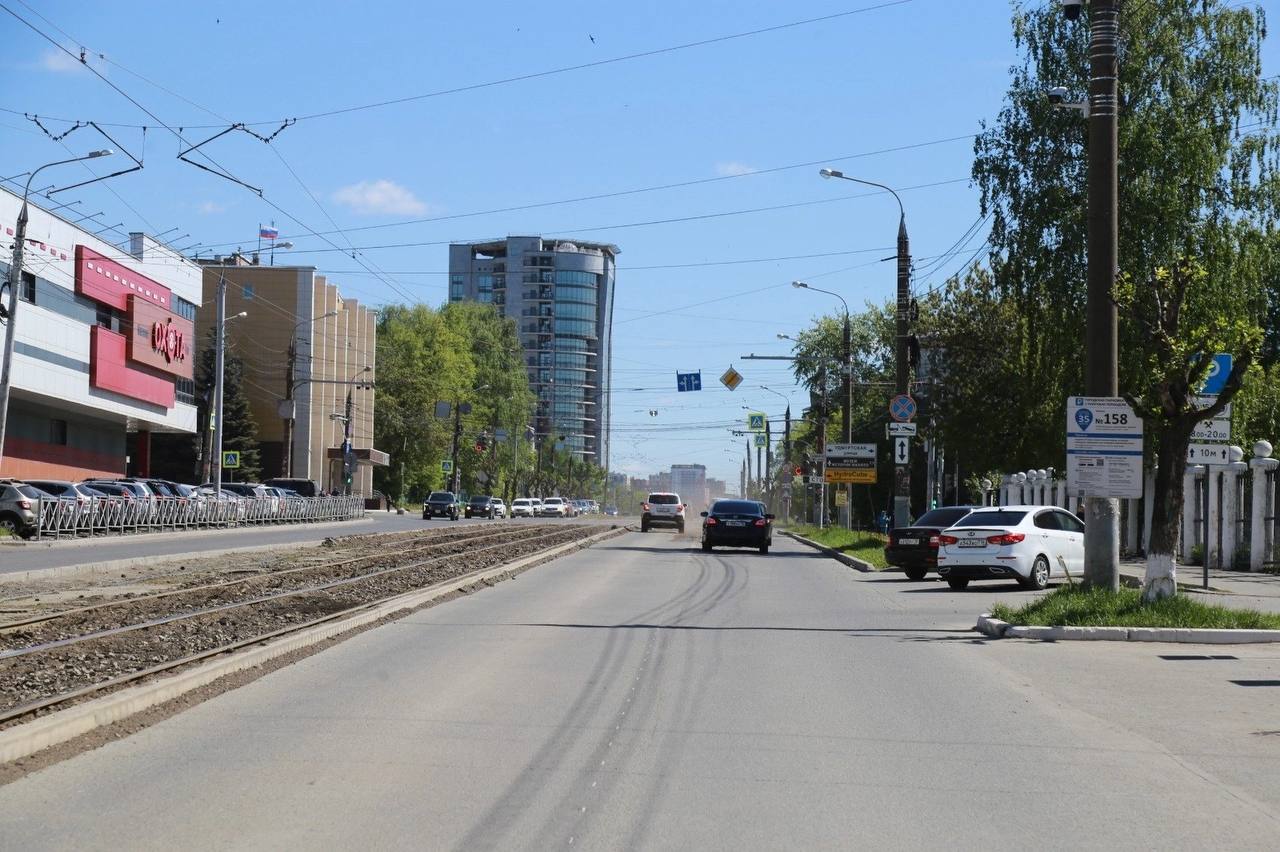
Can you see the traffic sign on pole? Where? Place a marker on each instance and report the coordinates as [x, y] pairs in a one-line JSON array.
[[1208, 454], [755, 421], [231, 458], [902, 408], [893, 430], [902, 450], [689, 381], [850, 464], [731, 379], [1104, 447], [446, 465]]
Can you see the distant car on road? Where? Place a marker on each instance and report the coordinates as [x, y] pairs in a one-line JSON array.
[[441, 504], [1030, 544], [499, 507], [611, 511], [663, 508], [481, 506], [555, 507], [522, 507], [914, 549], [737, 523]]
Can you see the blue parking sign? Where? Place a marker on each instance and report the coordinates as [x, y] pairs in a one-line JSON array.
[[1216, 379]]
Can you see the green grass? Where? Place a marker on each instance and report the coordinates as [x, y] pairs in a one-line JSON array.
[[867, 546], [1073, 606]]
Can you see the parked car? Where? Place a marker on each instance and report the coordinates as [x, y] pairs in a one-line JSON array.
[[611, 511], [61, 489], [1030, 544], [442, 504], [499, 508], [481, 506], [536, 504], [18, 502], [522, 507], [737, 523], [663, 508], [303, 487], [914, 549], [554, 507], [137, 491]]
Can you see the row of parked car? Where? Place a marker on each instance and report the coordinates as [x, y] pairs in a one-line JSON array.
[[446, 504], [26, 505]]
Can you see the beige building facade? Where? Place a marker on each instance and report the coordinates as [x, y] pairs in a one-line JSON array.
[[305, 348]]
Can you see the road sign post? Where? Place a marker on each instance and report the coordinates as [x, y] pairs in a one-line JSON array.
[[850, 464], [689, 381], [731, 379], [901, 450]]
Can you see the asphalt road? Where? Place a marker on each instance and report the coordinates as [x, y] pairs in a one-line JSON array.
[[31, 556], [644, 695]]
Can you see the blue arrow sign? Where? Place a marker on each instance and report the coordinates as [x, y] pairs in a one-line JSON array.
[[689, 381]]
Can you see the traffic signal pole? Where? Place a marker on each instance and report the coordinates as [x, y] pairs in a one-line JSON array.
[[454, 480]]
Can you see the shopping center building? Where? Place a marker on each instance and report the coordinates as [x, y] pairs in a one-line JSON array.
[[103, 349]]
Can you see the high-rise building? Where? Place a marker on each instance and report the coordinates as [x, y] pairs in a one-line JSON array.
[[690, 482], [560, 294]]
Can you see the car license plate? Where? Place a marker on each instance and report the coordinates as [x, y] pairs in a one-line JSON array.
[[973, 542], [736, 523], [908, 541]]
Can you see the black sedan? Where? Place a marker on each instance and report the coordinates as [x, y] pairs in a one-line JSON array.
[[441, 504], [914, 549], [737, 523], [481, 507]]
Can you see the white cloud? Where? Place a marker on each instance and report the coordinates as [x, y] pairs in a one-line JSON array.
[[733, 169], [58, 62], [380, 196], [210, 207]]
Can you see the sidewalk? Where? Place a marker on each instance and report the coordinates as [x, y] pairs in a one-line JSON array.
[[1241, 589]]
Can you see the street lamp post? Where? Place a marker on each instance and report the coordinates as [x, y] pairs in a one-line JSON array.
[[786, 451], [846, 357], [15, 282], [220, 353], [348, 460], [286, 462], [902, 473]]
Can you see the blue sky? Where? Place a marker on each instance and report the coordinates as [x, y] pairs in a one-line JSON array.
[[901, 75]]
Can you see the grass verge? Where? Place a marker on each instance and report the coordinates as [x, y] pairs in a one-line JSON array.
[[1072, 606], [867, 546]]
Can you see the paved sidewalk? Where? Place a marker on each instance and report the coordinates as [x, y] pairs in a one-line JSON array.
[[1241, 589]]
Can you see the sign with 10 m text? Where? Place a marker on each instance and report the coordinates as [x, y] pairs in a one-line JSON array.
[[1104, 447]]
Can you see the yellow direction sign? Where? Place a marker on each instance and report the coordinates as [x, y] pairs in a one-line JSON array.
[[755, 421], [846, 476], [731, 379]]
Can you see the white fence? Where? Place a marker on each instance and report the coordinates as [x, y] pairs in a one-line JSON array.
[[68, 517], [1228, 511]]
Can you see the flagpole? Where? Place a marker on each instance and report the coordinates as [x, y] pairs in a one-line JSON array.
[[259, 252]]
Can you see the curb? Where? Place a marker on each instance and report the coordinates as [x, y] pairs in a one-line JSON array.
[[997, 629], [852, 561], [58, 727]]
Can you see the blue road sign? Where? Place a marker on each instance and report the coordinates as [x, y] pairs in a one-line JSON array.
[[1216, 378], [762, 440], [689, 381], [902, 408]]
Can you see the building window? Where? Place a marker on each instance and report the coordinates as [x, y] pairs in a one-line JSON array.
[[58, 433], [28, 293], [185, 391], [457, 287], [184, 309], [247, 292]]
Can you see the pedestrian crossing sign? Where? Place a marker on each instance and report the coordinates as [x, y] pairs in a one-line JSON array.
[[755, 421], [762, 440], [231, 458]]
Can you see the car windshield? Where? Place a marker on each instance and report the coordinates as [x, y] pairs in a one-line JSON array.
[[479, 501], [942, 517], [736, 507], [1002, 518], [29, 491], [440, 496], [664, 499]]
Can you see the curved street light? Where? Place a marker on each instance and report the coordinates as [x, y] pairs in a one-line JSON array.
[[847, 360]]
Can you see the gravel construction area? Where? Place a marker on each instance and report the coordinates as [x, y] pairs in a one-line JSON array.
[[416, 560]]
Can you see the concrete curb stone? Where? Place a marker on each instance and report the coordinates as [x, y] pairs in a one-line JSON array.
[[852, 561], [997, 629]]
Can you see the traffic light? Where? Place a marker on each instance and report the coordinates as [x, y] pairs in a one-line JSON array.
[[482, 443], [799, 470]]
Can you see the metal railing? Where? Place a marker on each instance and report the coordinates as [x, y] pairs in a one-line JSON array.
[[58, 518]]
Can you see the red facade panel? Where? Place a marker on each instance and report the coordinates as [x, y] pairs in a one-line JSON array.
[[103, 280], [159, 339], [109, 371]]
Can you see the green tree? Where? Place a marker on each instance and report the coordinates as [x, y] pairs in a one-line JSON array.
[[239, 429], [1198, 195]]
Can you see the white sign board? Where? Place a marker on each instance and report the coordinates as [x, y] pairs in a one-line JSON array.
[[851, 451], [893, 430], [1208, 454], [902, 450], [1212, 430], [1203, 401], [1104, 447]]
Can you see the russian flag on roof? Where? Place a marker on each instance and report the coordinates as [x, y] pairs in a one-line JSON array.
[[268, 233]]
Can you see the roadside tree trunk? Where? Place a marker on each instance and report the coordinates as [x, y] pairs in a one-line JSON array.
[[1160, 580]]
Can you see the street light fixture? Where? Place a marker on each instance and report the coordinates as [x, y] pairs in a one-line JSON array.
[[15, 282], [902, 473]]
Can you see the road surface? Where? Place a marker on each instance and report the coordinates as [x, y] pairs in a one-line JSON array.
[[644, 695]]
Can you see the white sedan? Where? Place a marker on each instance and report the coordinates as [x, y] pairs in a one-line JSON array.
[[1030, 544]]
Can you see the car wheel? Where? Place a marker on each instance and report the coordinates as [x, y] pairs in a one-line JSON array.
[[764, 548], [644, 527], [9, 524], [706, 546], [958, 584], [1039, 577], [915, 573]]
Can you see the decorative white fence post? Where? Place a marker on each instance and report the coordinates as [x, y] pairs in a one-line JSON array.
[[1262, 506], [1232, 507], [1190, 510], [1213, 540]]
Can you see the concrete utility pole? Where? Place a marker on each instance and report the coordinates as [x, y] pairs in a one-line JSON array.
[[219, 368], [15, 283], [348, 466], [286, 456], [1102, 515], [455, 479]]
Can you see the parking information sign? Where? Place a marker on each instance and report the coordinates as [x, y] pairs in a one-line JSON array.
[[1104, 447], [850, 464]]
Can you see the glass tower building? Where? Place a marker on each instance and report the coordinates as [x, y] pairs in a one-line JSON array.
[[560, 294]]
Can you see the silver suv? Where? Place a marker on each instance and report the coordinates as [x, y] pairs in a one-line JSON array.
[[18, 502], [662, 508]]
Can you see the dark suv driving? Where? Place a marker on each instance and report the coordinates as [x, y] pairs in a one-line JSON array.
[[481, 507], [441, 504]]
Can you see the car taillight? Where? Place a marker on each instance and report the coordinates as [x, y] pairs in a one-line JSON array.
[[25, 504], [934, 540], [947, 539], [644, 507], [1005, 538], [711, 522], [760, 522]]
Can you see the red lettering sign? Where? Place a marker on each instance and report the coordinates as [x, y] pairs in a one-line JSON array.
[[160, 340], [169, 341]]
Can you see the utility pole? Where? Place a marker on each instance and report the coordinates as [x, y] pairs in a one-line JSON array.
[[219, 368], [786, 463], [902, 381], [286, 456], [1102, 514], [347, 460], [455, 478], [847, 401], [744, 495], [768, 464]]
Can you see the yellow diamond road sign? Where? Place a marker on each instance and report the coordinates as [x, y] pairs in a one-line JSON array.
[[731, 379]]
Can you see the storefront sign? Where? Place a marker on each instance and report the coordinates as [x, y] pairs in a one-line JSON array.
[[160, 340]]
